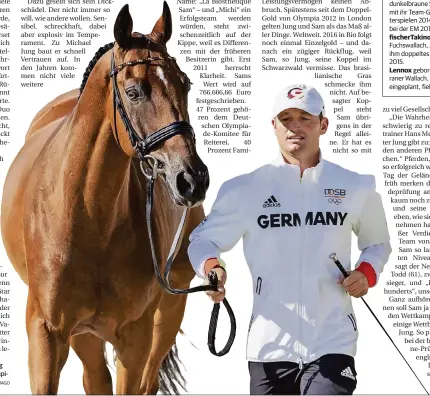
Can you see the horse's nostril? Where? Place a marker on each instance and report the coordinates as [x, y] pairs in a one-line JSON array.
[[185, 184], [192, 184]]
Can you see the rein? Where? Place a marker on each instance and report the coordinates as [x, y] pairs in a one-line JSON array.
[[143, 147]]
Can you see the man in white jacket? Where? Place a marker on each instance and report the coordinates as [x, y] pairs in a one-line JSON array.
[[291, 214]]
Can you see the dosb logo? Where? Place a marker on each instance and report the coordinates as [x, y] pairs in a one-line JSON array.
[[335, 195], [335, 192]]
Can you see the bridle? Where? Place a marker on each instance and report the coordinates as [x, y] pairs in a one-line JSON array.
[[143, 148]]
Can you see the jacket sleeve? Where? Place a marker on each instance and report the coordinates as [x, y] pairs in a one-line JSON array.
[[372, 232], [220, 230]]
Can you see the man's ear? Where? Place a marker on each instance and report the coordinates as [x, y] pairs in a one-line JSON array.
[[324, 125]]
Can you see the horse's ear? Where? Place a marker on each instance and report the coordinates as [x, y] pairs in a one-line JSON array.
[[123, 27], [162, 30]]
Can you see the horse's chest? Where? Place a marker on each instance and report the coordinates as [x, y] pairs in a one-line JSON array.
[[109, 292], [105, 284], [126, 281]]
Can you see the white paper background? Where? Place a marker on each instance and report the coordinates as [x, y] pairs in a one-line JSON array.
[[380, 367]]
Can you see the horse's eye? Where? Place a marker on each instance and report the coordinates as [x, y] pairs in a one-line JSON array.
[[132, 94]]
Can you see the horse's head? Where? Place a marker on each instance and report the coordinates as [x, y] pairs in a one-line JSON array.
[[152, 90]]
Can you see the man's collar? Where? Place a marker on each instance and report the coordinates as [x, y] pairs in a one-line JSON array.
[[311, 174]]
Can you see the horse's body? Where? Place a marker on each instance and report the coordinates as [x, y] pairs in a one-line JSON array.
[[73, 225]]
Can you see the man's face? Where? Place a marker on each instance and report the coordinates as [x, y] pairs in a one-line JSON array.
[[298, 132]]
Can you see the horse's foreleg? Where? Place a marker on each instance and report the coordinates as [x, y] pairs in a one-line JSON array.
[[90, 349], [133, 350], [47, 352], [167, 322]]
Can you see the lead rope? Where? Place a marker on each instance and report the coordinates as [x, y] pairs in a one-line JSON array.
[[164, 282], [345, 274]]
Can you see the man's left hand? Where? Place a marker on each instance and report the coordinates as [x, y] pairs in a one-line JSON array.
[[356, 285]]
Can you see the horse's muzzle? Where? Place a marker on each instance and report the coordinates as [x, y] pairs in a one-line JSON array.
[[192, 185]]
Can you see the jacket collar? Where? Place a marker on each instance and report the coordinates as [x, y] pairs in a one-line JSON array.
[[309, 175]]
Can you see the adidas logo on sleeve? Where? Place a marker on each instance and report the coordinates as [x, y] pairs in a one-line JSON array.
[[271, 203], [348, 373]]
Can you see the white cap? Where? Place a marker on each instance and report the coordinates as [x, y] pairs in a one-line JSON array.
[[299, 96]]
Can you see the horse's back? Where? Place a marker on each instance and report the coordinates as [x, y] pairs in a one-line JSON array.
[[43, 125]]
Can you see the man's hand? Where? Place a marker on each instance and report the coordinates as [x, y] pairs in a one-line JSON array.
[[217, 296], [356, 285]]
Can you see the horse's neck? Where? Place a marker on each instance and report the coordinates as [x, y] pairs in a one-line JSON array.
[[97, 174], [95, 171]]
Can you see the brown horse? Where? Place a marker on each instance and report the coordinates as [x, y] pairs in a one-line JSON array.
[[73, 219]]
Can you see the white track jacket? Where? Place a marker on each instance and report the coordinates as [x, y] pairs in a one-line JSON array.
[[289, 227]]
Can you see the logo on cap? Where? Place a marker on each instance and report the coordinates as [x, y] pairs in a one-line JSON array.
[[295, 93]]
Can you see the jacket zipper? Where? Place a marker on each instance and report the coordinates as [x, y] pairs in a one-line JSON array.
[[300, 307]]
